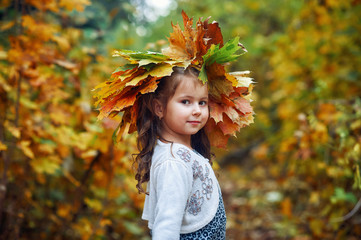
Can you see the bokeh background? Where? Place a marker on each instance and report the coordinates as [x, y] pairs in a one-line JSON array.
[[293, 174]]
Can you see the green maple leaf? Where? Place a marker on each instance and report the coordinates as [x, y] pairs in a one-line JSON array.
[[125, 67], [227, 53], [138, 55]]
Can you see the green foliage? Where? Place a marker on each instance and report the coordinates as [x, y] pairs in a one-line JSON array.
[[340, 196]]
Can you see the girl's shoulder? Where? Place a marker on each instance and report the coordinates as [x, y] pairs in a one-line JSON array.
[[174, 152]]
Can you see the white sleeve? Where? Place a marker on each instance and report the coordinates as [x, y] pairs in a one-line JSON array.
[[173, 185]]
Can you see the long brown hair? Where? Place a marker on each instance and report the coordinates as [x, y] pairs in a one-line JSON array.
[[149, 125]]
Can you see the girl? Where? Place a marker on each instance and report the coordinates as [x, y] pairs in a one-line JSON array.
[[184, 200], [165, 99]]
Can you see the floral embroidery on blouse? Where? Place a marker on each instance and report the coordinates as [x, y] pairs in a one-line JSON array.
[[207, 188], [207, 172], [184, 154], [197, 170], [196, 200], [195, 203]]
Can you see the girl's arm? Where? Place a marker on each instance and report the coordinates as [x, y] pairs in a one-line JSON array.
[[173, 183]]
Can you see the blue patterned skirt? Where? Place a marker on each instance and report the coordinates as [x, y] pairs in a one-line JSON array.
[[215, 229]]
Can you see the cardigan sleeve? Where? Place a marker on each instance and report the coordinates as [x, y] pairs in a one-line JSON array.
[[173, 181]]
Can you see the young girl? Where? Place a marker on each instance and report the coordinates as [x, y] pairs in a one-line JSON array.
[[184, 200], [173, 107]]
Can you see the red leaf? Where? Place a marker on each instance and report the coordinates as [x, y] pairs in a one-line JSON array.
[[243, 105], [228, 127], [215, 135]]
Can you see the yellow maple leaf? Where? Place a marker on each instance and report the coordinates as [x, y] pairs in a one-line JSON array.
[[160, 70]]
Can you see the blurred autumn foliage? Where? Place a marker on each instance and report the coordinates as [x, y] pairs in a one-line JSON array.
[[294, 174], [61, 176]]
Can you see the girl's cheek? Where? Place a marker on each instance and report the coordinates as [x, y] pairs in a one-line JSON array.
[[206, 113]]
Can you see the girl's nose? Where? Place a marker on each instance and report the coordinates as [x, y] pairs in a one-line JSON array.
[[196, 110]]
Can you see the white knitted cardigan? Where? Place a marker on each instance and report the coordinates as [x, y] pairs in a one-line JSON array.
[[183, 192]]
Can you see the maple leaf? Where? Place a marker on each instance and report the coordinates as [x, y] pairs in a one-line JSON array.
[[220, 55], [218, 84], [243, 105], [123, 127], [240, 79], [213, 34], [142, 58], [109, 89], [216, 111], [121, 92], [122, 69], [223, 54], [159, 70], [215, 134], [181, 42], [118, 103], [192, 44], [228, 127]]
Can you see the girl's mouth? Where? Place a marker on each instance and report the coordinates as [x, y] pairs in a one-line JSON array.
[[194, 122]]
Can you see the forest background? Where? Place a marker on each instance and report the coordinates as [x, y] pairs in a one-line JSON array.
[[293, 174]]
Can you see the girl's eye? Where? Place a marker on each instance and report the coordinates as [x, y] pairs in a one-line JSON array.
[[203, 103], [185, 101]]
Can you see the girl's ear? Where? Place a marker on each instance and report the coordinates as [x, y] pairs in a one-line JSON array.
[[158, 108]]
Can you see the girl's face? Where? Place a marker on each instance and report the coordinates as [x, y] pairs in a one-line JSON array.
[[186, 111]]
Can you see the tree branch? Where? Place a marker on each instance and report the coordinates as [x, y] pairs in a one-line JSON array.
[[350, 214], [80, 189]]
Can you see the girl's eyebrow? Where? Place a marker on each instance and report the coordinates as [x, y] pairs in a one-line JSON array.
[[190, 96]]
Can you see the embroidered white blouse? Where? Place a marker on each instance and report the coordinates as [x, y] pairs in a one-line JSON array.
[[183, 192]]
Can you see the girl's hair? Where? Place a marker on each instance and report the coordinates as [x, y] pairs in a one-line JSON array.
[[149, 125]]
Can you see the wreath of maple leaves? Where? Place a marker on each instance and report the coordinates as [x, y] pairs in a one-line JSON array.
[[201, 47]]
